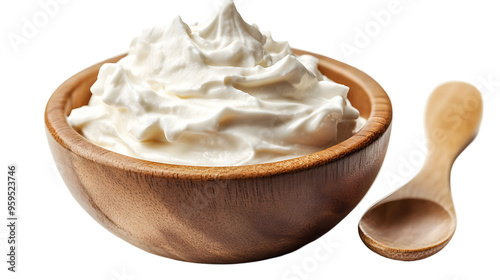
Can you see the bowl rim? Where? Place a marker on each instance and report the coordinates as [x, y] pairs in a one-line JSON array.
[[376, 125]]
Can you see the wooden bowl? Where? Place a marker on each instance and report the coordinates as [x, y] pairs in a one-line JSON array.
[[221, 214]]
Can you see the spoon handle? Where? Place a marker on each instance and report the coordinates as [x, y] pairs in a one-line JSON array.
[[452, 120]]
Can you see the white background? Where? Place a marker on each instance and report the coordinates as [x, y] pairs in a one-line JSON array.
[[421, 44]]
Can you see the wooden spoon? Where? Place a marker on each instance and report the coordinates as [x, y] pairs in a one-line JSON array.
[[419, 219]]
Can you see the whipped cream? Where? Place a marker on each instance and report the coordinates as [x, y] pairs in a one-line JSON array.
[[219, 93]]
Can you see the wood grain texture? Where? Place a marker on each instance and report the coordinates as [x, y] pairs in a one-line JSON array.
[[221, 214], [419, 219]]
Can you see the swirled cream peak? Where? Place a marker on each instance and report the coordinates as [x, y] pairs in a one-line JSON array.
[[214, 94]]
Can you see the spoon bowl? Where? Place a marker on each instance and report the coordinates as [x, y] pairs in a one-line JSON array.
[[418, 225], [419, 219]]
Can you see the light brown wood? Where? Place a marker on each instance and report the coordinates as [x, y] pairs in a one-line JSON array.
[[419, 219], [221, 214]]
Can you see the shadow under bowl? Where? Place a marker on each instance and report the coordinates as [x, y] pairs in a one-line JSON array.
[[221, 214]]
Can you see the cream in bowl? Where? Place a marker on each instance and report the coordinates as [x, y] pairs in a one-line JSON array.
[[222, 214], [220, 93]]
